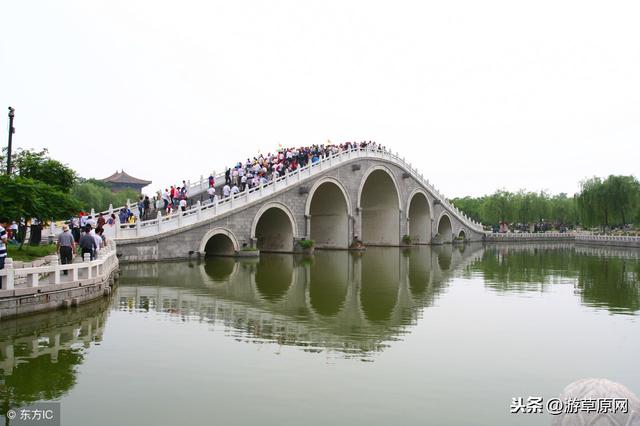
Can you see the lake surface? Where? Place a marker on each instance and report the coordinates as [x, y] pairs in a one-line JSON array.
[[442, 336]]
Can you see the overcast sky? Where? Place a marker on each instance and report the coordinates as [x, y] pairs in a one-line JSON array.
[[479, 94]]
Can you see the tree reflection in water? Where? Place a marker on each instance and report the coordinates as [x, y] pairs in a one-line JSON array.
[[39, 354], [608, 278]]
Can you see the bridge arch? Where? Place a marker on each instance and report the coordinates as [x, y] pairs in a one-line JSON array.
[[219, 242], [274, 228], [419, 217], [462, 235], [328, 208], [379, 204], [445, 229]]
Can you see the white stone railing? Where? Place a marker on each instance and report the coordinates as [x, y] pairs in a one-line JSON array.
[[51, 274], [207, 210], [612, 238], [515, 236], [630, 241]]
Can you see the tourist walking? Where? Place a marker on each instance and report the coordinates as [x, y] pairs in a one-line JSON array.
[[101, 221], [87, 243], [141, 207], [65, 247]]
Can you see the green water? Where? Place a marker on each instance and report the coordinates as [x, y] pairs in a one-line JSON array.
[[444, 335]]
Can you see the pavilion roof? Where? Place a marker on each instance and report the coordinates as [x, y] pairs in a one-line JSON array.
[[122, 177]]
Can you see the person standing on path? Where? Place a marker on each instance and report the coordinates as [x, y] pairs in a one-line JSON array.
[[88, 243], [66, 247]]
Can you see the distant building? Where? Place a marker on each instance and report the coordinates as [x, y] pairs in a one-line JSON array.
[[120, 180]]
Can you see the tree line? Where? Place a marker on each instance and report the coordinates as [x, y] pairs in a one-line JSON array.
[[40, 187], [610, 202]]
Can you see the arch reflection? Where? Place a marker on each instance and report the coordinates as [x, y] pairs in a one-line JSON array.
[[380, 282], [274, 275], [329, 281]]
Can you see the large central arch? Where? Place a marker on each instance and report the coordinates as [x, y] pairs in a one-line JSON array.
[[274, 228], [380, 208], [419, 218], [328, 211]]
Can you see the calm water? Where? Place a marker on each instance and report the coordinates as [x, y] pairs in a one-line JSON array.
[[436, 336]]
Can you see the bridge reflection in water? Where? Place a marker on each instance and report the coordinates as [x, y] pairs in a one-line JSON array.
[[338, 300], [353, 305]]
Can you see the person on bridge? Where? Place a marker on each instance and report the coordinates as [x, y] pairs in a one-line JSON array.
[[166, 198], [87, 243], [66, 246], [123, 215], [101, 221]]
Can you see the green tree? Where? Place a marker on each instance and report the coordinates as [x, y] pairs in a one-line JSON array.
[[28, 198], [498, 207], [471, 206], [95, 194], [622, 195], [39, 166]]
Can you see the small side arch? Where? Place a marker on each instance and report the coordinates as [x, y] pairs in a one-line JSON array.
[[445, 228], [419, 217], [277, 228], [426, 195], [218, 231]]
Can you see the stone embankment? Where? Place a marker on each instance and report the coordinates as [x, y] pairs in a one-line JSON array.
[[578, 238], [46, 285]]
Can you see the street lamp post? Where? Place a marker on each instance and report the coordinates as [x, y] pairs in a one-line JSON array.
[[11, 132]]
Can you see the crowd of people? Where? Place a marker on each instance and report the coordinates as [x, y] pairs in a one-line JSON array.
[[244, 175], [88, 239], [265, 168]]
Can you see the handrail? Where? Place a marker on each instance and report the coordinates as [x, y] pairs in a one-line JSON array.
[[208, 210], [561, 235], [103, 266]]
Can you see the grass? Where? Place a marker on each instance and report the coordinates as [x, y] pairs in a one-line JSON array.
[[29, 253]]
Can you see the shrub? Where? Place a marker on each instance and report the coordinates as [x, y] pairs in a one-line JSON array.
[[406, 239], [306, 244]]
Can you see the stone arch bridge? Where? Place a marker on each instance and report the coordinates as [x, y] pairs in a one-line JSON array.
[[371, 195]]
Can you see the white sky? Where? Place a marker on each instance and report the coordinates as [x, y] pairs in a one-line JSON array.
[[479, 94]]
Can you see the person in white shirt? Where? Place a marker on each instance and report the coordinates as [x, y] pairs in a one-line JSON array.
[[234, 189], [226, 190], [212, 193], [183, 204], [98, 240]]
